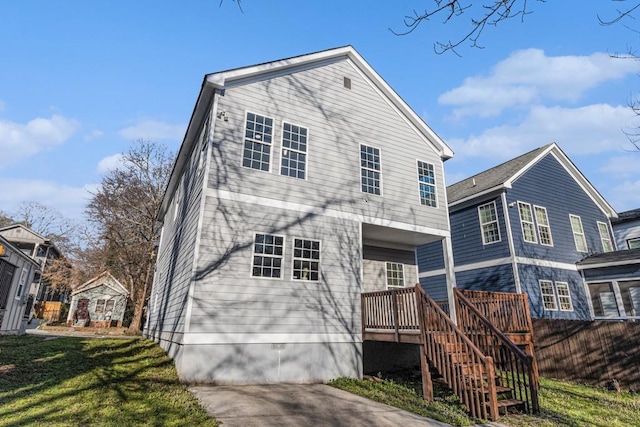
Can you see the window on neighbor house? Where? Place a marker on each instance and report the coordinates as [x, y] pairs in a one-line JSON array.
[[605, 237], [633, 243], [109, 305], [526, 222], [257, 142], [294, 151], [548, 295], [427, 182], [395, 275], [564, 296], [268, 250], [578, 233], [306, 259], [21, 282], [370, 169], [489, 223], [544, 230], [100, 305]]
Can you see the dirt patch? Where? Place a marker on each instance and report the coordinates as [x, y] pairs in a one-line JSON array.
[[88, 330]]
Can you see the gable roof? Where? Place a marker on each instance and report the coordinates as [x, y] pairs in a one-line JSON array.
[[626, 216], [216, 82], [29, 236], [7, 244], [502, 177], [104, 278]]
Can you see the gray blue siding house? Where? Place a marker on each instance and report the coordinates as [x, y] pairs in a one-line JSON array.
[[300, 184], [521, 227], [627, 229]]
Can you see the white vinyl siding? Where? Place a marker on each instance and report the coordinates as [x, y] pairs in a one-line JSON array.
[[544, 230], [427, 183], [306, 260], [370, 169], [605, 238], [293, 161], [258, 136], [489, 223], [548, 295], [395, 275], [578, 233], [268, 251], [564, 296], [526, 222]]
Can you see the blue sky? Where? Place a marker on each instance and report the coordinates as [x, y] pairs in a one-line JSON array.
[[79, 80]]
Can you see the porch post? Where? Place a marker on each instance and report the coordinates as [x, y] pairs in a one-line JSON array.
[[450, 275]]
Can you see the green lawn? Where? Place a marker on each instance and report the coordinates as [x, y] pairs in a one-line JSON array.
[[83, 382], [562, 403]]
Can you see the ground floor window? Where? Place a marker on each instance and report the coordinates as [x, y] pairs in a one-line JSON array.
[[615, 298], [548, 295], [268, 250], [395, 275], [306, 259]]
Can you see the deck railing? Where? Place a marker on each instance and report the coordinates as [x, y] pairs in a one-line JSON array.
[[394, 309], [463, 366], [516, 369]]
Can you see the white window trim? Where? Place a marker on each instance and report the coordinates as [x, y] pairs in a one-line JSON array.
[[548, 226], [553, 294], [362, 167], [607, 237], [386, 275], [273, 139], [632, 240], [293, 258], [306, 153], [573, 233], [557, 290], [532, 222], [435, 183], [497, 221], [253, 253]]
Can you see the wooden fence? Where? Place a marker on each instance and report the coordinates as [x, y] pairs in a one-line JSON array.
[[593, 352]]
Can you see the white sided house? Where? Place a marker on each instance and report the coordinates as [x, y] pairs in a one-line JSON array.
[[300, 184]]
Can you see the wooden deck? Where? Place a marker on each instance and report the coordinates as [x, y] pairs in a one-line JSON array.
[[486, 369]]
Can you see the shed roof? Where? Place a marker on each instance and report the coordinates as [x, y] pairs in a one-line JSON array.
[[627, 216], [610, 259]]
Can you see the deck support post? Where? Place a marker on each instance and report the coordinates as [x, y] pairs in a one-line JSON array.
[[427, 385]]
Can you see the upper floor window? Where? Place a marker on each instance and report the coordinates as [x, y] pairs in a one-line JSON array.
[[544, 230], [306, 259], [526, 222], [395, 275], [605, 237], [548, 295], [489, 223], [427, 182], [370, 169], [268, 250], [294, 151], [257, 142], [578, 233]]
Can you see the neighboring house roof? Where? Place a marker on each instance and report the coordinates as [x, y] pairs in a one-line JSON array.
[[27, 235], [610, 259], [7, 244], [503, 176], [218, 81], [627, 216], [104, 278]]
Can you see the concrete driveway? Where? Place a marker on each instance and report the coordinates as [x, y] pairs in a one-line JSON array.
[[299, 405]]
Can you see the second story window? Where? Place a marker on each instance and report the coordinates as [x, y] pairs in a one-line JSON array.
[[268, 251], [257, 142], [427, 182], [544, 230], [370, 169], [294, 151], [578, 233], [526, 221], [489, 223], [395, 275], [605, 237]]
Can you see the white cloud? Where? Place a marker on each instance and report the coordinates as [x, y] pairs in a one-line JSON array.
[[154, 130], [529, 76], [110, 163], [18, 140], [93, 135], [70, 201], [591, 129], [627, 166], [625, 196]]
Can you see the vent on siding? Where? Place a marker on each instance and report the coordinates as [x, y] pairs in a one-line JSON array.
[[347, 82]]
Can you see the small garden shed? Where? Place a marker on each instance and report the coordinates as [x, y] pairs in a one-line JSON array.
[[100, 302]]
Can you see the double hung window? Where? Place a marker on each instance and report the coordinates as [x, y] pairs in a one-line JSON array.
[[489, 223], [257, 142], [294, 151], [578, 233], [268, 251], [370, 169], [427, 182]]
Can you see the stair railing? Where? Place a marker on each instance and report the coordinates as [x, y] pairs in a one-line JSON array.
[[463, 366], [515, 369]]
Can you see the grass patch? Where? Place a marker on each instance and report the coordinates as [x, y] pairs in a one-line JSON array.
[[84, 382], [562, 403], [446, 409]]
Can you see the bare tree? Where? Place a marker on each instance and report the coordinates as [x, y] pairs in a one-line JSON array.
[[5, 219], [124, 210], [48, 222]]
